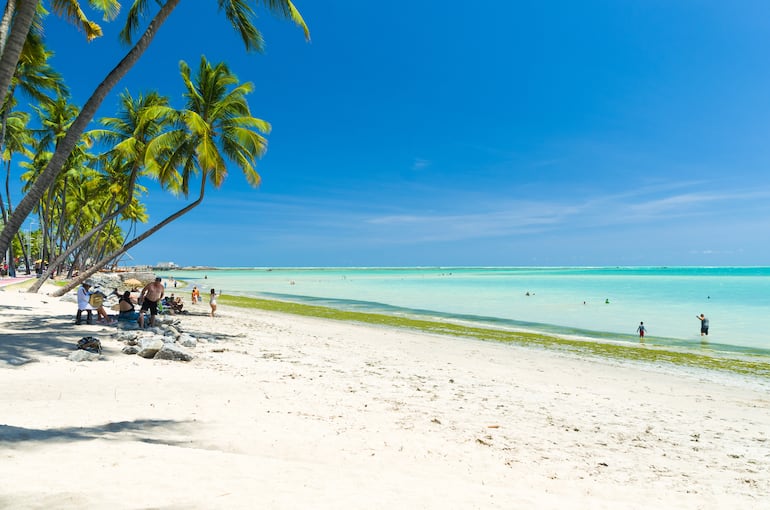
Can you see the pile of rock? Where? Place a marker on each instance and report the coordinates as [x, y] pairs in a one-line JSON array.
[[165, 340]]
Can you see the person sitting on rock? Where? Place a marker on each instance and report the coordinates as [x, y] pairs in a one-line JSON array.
[[126, 308]]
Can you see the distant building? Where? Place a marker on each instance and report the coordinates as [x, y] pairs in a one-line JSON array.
[[165, 265]]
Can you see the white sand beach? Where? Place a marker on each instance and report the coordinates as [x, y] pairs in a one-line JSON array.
[[286, 412]]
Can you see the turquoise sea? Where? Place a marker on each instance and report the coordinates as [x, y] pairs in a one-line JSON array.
[[605, 303]]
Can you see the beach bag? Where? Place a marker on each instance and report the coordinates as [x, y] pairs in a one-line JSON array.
[[96, 300], [90, 344]]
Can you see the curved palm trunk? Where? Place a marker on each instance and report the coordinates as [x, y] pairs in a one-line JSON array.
[[5, 24], [67, 144], [82, 276], [23, 15]]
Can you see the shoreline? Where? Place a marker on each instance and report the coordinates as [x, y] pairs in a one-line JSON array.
[[603, 304], [680, 347], [755, 365], [540, 329], [300, 412]]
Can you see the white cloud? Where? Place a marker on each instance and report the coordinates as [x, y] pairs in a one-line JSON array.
[[397, 217], [420, 164]]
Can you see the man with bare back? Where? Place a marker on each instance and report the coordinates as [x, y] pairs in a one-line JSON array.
[[149, 298]]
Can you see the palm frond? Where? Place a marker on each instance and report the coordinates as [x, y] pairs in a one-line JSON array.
[[110, 8], [136, 12], [70, 10], [241, 16]]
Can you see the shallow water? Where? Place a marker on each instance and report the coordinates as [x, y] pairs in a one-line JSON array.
[[560, 300]]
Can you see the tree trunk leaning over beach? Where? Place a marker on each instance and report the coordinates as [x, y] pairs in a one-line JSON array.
[[137, 123], [67, 144], [21, 22], [218, 126], [19, 17], [98, 266], [240, 16], [5, 23]]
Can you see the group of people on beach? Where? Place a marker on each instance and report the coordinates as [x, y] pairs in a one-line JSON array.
[[150, 299], [704, 326]]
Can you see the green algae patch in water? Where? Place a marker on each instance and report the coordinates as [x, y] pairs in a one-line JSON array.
[[758, 366]]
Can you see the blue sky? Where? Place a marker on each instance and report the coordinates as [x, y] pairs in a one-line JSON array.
[[491, 133]]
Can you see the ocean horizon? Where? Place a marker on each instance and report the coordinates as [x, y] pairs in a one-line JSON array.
[[598, 302]]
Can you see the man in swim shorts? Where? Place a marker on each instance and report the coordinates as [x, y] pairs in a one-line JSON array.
[[704, 325], [149, 297]]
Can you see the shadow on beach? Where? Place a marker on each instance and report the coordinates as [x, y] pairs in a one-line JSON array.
[[135, 430], [29, 337]]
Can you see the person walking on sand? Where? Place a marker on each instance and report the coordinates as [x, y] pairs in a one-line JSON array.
[[149, 298], [196, 295], [641, 330], [213, 302], [704, 325]]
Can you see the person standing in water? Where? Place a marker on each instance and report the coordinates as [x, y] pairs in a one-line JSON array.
[[641, 330], [704, 325]]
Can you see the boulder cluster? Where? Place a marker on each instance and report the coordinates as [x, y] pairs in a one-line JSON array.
[[108, 281], [165, 340]]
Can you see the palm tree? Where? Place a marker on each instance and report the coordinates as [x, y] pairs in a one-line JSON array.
[[217, 127], [238, 12], [20, 16], [35, 78], [128, 134], [16, 139], [55, 117]]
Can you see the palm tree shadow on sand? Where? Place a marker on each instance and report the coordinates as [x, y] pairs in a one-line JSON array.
[[27, 338], [146, 431]]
